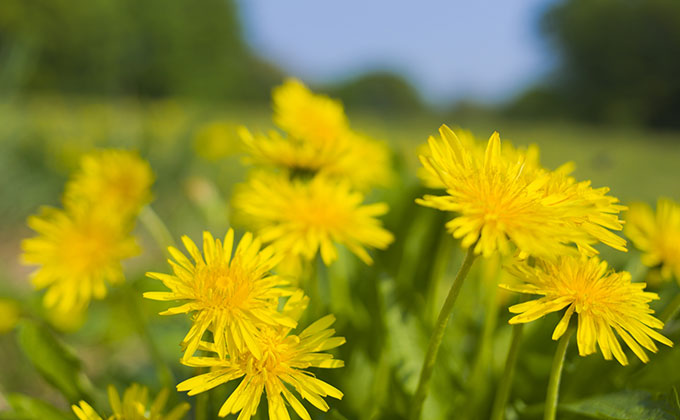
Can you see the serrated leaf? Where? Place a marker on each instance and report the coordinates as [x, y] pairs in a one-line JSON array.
[[52, 359], [29, 408], [626, 405]]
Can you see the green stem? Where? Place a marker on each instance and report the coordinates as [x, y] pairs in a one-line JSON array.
[[478, 383], [441, 262], [556, 376], [671, 310], [157, 228], [438, 335], [504, 386]]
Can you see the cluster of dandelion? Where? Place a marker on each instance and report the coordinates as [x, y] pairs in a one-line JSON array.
[[234, 302], [305, 194], [548, 223], [80, 248], [248, 297]]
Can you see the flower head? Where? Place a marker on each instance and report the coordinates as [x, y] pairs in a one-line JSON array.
[[317, 140], [364, 163], [604, 301], [359, 159], [133, 406], [117, 180], [78, 252], [230, 296], [290, 153], [307, 116], [283, 363], [503, 199], [302, 217], [657, 235]]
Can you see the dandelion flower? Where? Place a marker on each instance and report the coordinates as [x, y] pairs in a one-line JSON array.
[[116, 179], [133, 406], [230, 296], [657, 235], [283, 363], [307, 116], [529, 155], [603, 299], [293, 154], [303, 217], [365, 163], [78, 252], [502, 199]]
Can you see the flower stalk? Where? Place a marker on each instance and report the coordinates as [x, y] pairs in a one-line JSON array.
[[505, 384], [556, 376], [438, 335]]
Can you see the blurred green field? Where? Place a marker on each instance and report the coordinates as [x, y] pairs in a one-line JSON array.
[[384, 311]]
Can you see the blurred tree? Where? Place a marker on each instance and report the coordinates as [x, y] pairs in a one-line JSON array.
[[619, 62], [381, 91], [148, 48]]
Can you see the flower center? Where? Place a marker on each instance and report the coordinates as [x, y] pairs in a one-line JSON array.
[[223, 287]]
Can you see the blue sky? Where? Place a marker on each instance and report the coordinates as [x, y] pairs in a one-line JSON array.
[[481, 49]]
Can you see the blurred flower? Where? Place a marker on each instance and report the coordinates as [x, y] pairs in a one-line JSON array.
[[216, 140], [133, 406], [318, 140], [117, 180], [602, 298], [302, 217], [78, 252], [310, 117], [9, 314], [230, 296], [365, 163], [281, 364], [503, 199], [657, 235], [276, 150]]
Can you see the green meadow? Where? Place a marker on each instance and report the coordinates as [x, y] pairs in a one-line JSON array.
[[386, 311]]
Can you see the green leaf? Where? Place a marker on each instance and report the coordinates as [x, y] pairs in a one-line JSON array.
[[626, 405], [29, 408], [52, 359]]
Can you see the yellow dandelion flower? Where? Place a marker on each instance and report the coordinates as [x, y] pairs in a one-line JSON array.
[[359, 159], [501, 199], [604, 300], [657, 235], [365, 163], [78, 252], [530, 155], [115, 179], [283, 363], [304, 115], [276, 150], [230, 296], [588, 209], [134, 406], [432, 180], [303, 217]]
